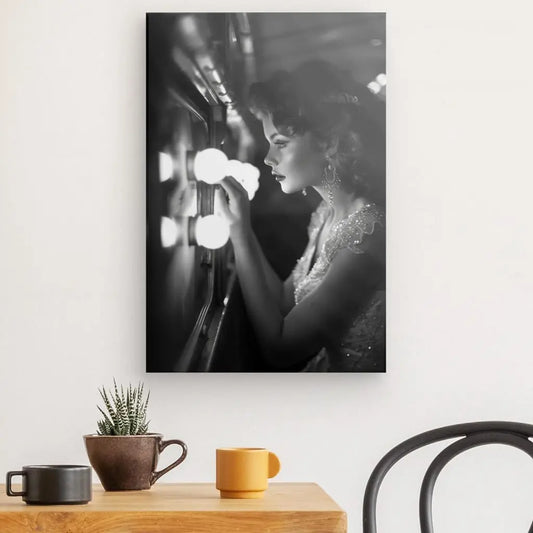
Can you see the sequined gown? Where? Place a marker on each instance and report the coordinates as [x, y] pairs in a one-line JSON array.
[[362, 348]]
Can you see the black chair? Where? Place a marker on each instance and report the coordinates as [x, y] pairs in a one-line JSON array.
[[474, 434]]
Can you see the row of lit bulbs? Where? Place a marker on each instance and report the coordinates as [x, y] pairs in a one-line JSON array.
[[377, 84], [210, 231], [210, 166]]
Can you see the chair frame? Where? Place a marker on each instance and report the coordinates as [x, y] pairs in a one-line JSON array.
[[474, 434]]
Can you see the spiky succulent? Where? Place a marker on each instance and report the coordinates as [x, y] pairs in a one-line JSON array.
[[126, 411]]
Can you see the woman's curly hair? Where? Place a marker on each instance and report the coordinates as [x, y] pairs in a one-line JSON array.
[[295, 101]]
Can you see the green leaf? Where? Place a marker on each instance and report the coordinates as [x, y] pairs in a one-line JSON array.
[[126, 410], [107, 402]]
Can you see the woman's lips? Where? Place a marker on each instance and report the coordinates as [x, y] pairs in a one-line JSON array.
[[278, 177]]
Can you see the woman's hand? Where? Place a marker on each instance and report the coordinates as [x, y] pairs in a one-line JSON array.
[[235, 209]]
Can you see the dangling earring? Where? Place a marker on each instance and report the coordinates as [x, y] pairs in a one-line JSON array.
[[331, 181], [304, 191]]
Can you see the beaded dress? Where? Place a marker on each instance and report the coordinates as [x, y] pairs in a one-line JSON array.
[[362, 348]]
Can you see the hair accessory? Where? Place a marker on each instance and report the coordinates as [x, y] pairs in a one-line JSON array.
[[331, 181], [340, 98], [304, 191]]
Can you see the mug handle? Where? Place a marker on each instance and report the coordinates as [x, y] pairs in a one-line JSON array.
[[273, 465], [162, 445], [9, 491]]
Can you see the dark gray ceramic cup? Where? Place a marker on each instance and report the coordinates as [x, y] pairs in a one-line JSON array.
[[53, 484]]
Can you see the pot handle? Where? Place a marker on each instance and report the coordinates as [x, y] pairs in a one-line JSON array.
[[9, 490], [162, 445]]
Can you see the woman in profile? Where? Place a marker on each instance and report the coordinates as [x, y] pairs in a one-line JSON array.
[[325, 134]]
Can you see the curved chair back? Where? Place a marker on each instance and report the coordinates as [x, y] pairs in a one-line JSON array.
[[474, 434]]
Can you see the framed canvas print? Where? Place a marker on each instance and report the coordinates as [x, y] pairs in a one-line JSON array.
[[266, 192]]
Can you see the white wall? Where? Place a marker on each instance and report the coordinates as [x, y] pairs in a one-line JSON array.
[[460, 260]]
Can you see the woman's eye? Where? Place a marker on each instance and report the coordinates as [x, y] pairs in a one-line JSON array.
[[281, 144]]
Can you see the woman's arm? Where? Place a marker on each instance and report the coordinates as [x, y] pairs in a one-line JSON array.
[[283, 292], [322, 317]]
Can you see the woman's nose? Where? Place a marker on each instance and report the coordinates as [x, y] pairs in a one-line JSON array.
[[269, 161]]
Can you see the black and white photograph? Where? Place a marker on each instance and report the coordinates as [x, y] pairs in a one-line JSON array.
[[271, 262], [266, 192]]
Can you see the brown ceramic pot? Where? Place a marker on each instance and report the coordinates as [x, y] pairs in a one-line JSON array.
[[129, 462]]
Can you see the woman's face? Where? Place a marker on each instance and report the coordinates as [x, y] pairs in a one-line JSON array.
[[296, 160]]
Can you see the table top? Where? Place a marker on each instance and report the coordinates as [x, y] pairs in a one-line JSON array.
[[180, 507]]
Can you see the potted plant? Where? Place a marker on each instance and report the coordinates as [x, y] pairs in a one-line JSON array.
[[122, 452]]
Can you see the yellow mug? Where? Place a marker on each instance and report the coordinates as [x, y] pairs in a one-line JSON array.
[[244, 472]]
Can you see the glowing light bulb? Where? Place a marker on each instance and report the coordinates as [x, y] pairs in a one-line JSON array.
[[243, 173], [251, 172], [382, 79], [169, 232], [250, 179], [252, 190], [374, 87], [210, 165], [235, 168], [166, 167], [212, 232]]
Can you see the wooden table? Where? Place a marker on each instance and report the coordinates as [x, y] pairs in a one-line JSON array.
[[190, 507]]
